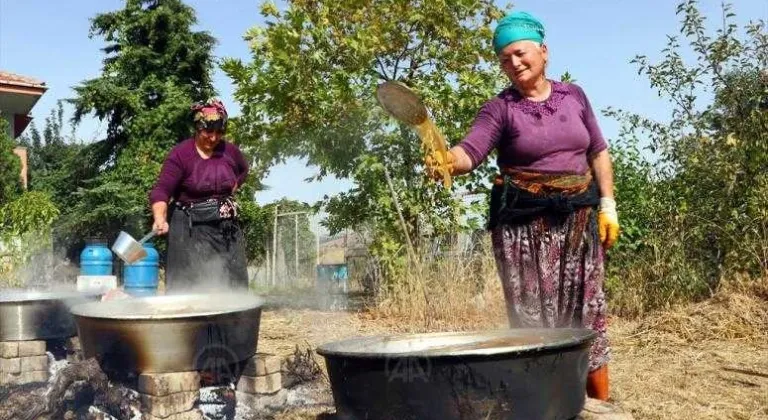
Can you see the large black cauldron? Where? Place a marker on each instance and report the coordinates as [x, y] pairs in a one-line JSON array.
[[525, 374]]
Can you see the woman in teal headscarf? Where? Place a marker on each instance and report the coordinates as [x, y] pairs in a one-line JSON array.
[[552, 208]]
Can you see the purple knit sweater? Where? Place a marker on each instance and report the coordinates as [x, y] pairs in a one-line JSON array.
[[553, 136], [187, 177]]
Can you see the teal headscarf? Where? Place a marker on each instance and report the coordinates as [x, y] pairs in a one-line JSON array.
[[517, 26]]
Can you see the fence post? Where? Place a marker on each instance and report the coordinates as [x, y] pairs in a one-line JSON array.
[[274, 247], [296, 248]]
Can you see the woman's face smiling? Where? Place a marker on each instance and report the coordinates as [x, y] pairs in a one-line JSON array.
[[524, 62]]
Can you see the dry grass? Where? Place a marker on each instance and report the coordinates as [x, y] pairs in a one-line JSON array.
[[448, 295], [702, 361], [727, 316], [282, 330]]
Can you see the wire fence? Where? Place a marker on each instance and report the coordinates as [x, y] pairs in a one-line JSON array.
[[301, 254]]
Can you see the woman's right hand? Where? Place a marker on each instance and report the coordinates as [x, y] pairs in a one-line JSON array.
[[160, 226], [457, 162], [160, 216], [433, 167]]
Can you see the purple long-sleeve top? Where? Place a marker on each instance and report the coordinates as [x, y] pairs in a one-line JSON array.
[[187, 177], [553, 136]]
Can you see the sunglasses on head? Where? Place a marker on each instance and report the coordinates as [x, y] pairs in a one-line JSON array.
[[211, 126]]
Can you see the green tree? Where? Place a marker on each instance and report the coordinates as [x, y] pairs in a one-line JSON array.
[[10, 166], [25, 216], [53, 157], [701, 214], [309, 92], [155, 66]]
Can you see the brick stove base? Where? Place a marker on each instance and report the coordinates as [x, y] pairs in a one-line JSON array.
[[172, 396], [261, 384], [23, 362], [178, 396]]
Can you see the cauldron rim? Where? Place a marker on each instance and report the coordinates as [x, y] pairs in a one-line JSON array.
[[121, 310], [560, 339], [19, 295]]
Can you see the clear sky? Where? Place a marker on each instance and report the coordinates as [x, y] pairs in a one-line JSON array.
[[594, 40]]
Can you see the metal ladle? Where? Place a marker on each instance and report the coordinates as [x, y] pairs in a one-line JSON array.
[[129, 249], [403, 104]]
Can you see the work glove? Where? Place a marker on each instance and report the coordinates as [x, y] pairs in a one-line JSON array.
[[432, 164], [608, 222]]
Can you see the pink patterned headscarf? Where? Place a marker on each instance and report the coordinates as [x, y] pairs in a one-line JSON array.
[[209, 112]]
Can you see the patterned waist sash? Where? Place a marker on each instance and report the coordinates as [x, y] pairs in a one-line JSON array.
[[517, 196]]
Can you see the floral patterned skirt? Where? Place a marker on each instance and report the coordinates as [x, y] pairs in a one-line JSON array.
[[551, 270]]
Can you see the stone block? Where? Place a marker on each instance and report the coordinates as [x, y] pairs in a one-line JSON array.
[[262, 364], [163, 407], [9, 349], [263, 402], [10, 365], [34, 363], [187, 415], [31, 348], [161, 384], [268, 384], [23, 378]]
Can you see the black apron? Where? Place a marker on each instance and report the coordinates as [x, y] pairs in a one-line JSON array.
[[205, 255], [512, 205]]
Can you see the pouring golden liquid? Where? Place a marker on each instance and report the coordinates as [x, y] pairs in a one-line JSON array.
[[404, 105]]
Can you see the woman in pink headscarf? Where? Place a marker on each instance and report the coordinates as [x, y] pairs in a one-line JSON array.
[[193, 201]]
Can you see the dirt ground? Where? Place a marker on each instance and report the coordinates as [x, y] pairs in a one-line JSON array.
[[706, 361]]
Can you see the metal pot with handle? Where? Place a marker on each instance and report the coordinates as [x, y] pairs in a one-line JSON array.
[[39, 315], [129, 249], [171, 333]]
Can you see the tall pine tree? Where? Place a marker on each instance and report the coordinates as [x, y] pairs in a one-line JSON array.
[[155, 66]]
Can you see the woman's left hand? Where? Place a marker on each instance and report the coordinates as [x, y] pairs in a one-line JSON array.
[[608, 222], [607, 218]]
